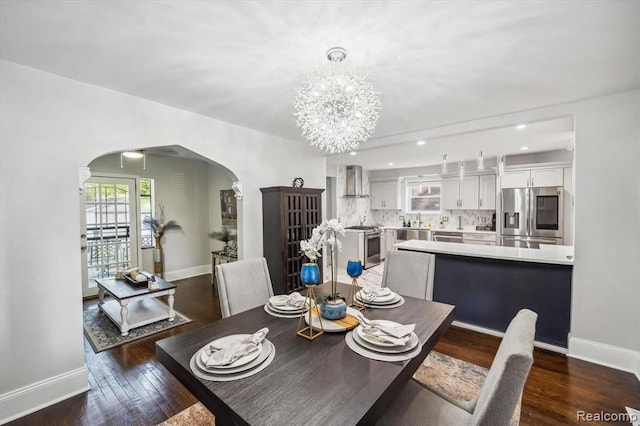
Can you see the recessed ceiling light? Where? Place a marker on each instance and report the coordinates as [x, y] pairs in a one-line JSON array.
[[421, 142], [521, 126], [524, 148], [391, 164], [352, 153]]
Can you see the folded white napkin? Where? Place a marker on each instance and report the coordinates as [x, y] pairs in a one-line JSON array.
[[397, 334], [295, 300], [370, 294], [235, 350]]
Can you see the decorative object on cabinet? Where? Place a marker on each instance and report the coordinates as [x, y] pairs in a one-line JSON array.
[[354, 269], [229, 207], [237, 189], [159, 227], [337, 107], [288, 217], [298, 182]]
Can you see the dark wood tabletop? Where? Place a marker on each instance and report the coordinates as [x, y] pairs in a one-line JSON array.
[[315, 382], [122, 289]]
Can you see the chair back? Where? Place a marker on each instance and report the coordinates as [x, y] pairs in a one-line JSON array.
[[409, 273], [243, 285], [505, 381]]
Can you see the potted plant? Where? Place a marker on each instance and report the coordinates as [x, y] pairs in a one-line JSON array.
[[159, 227], [227, 236], [326, 234]]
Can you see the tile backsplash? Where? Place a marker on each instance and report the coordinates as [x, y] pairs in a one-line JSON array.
[[469, 218]]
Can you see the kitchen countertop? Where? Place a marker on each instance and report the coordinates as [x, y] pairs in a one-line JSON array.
[[552, 254], [467, 229]]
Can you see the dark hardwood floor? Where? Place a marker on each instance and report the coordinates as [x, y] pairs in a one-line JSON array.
[[130, 387]]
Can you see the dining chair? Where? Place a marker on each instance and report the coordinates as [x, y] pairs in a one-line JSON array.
[[409, 273], [243, 285], [500, 392]]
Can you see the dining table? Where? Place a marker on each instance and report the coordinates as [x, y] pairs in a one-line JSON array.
[[309, 382]]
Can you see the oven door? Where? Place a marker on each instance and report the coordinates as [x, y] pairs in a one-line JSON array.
[[371, 250]]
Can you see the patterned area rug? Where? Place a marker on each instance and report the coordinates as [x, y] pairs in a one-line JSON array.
[[103, 334], [459, 380]]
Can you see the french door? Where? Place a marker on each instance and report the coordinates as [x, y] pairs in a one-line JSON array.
[[109, 228]]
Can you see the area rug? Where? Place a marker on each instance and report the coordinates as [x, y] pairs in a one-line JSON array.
[[103, 334], [457, 379]]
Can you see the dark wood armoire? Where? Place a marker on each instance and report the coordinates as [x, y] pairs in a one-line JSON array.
[[288, 216]]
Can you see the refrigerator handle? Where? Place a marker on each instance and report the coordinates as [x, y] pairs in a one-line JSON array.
[[531, 212]]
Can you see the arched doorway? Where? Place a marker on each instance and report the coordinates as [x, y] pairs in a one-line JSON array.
[[184, 186]]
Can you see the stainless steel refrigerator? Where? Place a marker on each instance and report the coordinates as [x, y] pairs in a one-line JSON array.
[[531, 216]]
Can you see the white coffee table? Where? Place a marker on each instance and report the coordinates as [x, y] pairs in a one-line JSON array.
[[135, 306]]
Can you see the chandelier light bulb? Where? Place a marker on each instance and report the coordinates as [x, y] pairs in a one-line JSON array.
[[337, 107]]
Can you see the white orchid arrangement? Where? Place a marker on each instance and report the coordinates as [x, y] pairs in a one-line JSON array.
[[325, 234]]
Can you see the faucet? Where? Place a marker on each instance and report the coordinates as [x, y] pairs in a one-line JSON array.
[[363, 219], [419, 219]]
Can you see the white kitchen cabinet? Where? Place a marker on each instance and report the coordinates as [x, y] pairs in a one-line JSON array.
[[487, 194], [384, 195], [533, 178], [460, 194]]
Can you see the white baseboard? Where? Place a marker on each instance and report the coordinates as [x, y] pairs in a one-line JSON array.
[[187, 273], [36, 396], [607, 355], [496, 333]]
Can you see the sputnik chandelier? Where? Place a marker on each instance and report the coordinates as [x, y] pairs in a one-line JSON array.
[[337, 107]]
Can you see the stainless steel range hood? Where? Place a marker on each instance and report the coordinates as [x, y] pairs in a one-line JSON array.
[[353, 182]]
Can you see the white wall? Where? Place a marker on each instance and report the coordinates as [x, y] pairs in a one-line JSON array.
[[50, 126]]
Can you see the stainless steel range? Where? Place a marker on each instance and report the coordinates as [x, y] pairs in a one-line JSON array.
[[371, 244]]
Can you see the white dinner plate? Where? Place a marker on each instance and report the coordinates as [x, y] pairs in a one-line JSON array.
[[223, 342], [263, 354], [400, 302], [268, 309], [285, 309], [412, 343], [394, 299], [378, 299], [375, 341]]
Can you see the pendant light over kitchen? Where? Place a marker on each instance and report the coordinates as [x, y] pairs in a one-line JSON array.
[[480, 161], [443, 168]]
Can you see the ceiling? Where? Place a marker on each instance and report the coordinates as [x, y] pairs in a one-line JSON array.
[[435, 63]]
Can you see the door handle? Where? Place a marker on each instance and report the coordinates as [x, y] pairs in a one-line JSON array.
[[83, 249]]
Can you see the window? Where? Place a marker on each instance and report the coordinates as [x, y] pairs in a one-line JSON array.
[[146, 209], [423, 196]]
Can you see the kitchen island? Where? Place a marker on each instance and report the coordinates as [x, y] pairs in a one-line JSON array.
[[490, 284]]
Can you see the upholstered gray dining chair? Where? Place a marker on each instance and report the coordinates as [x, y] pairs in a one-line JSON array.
[[243, 285], [494, 405], [409, 273]]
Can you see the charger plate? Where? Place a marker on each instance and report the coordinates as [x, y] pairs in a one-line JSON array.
[[234, 376], [263, 354], [394, 305], [377, 355], [411, 344]]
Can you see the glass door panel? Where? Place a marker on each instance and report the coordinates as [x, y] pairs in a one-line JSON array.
[[110, 214]]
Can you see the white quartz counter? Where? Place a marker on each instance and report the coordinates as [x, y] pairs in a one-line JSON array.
[[560, 255], [465, 230]]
